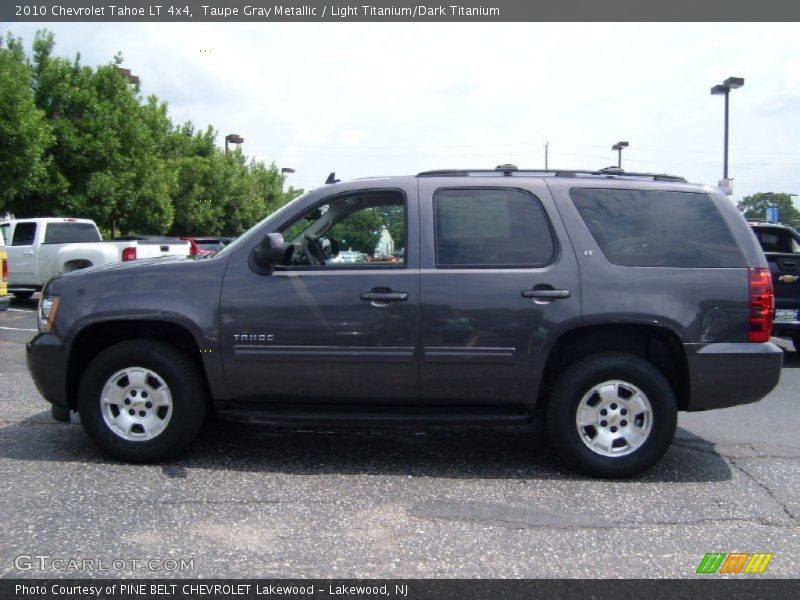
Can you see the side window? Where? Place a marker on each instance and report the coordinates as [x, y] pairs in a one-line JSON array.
[[644, 228], [777, 240], [63, 233], [4, 233], [491, 227], [360, 229], [24, 234]]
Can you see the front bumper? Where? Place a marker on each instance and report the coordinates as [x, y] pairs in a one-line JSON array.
[[46, 357], [728, 374]]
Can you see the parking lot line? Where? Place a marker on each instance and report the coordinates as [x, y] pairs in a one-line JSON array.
[[17, 329]]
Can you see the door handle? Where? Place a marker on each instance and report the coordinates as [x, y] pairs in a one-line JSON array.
[[545, 294], [388, 296], [28, 253]]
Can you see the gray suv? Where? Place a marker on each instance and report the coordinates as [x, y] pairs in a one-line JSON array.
[[602, 301]]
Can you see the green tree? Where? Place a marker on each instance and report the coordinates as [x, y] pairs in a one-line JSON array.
[[754, 207], [81, 141], [360, 231], [108, 159], [201, 182], [24, 133]]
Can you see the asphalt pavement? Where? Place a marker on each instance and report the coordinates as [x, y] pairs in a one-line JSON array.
[[301, 502]]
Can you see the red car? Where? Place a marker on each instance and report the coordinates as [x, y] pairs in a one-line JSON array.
[[205, 246]]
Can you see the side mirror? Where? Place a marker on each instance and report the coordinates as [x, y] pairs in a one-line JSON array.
[[271, 252]]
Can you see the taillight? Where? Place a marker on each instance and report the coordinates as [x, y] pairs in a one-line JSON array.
[[762, 305], [129, 254], [5, 270]]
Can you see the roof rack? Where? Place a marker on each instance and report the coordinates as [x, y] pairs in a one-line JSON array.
[[510, 170]]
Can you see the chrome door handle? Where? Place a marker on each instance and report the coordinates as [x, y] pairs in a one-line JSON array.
[[545, 294], [384, 296]]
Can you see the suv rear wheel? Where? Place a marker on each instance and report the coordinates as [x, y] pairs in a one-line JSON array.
[[612, 415], [142, 401]]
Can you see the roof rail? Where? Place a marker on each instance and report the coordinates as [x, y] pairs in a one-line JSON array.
[[511, 170]]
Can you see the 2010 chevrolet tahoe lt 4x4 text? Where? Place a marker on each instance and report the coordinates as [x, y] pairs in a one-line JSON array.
[[602, 300]]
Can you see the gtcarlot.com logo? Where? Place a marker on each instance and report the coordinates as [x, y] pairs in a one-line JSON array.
[[734, 562], [45, 562]]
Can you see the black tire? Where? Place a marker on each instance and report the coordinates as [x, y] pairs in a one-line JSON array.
[[577, 381], [184, 384], [796, 342], [23, 295]]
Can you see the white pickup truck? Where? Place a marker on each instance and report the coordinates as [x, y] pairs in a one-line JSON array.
[[41, 248]]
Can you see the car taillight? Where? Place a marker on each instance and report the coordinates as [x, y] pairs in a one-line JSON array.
[[129, 254], [5, 270], [762, 305]]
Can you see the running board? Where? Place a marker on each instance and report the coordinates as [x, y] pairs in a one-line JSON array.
[[377, 415]]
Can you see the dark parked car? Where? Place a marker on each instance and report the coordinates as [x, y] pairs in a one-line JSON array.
[[603, 301], [781, 245]]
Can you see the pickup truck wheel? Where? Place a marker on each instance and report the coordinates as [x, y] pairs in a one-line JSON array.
[[611, 415], [142, 401]]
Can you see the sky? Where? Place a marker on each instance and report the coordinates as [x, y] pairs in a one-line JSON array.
[[369, 99]]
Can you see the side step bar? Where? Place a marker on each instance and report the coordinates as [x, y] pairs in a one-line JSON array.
[[377, 415]]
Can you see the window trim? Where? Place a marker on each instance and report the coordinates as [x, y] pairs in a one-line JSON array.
[[348, 266], [553, 237]]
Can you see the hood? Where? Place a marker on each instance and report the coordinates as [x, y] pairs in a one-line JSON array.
[[143, 263]]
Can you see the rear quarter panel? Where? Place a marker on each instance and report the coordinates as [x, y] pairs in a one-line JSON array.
[[700, 305]]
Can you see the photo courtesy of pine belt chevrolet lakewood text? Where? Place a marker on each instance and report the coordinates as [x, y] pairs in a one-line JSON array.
[[602, 301]]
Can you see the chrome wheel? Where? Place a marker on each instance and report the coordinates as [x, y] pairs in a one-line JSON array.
[[614, 418], [136, 404]]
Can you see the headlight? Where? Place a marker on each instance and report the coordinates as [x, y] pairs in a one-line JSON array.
[[48, 307]]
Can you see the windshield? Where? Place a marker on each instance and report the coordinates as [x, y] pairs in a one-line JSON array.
[[247, 235]]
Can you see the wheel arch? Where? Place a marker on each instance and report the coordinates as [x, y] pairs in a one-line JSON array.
[[658, 345], [96, 337]]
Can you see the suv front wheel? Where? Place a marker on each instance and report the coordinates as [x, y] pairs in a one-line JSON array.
[[142, 401], [612, 415]]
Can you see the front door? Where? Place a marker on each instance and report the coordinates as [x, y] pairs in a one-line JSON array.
[[499, 282], [338, 321]]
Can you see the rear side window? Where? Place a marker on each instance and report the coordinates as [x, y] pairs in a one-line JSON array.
[[491, 227], [773, 239], [24, 234], [644, 228], [65, 233]]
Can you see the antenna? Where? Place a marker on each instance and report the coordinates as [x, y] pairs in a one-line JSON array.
[[332, 178]]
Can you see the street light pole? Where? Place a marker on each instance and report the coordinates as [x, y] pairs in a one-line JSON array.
[[724, 89], [233, 138], [618, 147], [284, 172]]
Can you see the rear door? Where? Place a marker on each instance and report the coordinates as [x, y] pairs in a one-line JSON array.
[[499, 282], [21, 254]]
